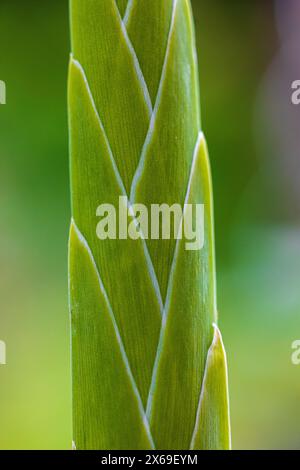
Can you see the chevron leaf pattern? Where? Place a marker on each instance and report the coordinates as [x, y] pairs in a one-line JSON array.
[[149, 367]]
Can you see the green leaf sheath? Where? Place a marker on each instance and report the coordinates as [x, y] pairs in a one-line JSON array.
[[187, 330], [149, 368], [105, 394], [101, 45], [122, 264], [122, 5], [212, 430]]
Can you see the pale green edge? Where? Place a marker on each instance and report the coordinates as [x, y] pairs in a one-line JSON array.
[[212, 430]]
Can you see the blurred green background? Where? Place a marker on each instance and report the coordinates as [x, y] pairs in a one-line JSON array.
[[247, 62]]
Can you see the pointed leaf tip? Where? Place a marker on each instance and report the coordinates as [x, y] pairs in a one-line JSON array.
[[212, 430]]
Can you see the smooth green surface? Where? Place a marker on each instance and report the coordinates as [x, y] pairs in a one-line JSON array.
[[136, 133], [212, 430]]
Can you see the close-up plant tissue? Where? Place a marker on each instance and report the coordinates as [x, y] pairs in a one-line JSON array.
[[127, 197]]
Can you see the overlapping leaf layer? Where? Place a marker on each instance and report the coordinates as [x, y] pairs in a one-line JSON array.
[[149, 369]]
